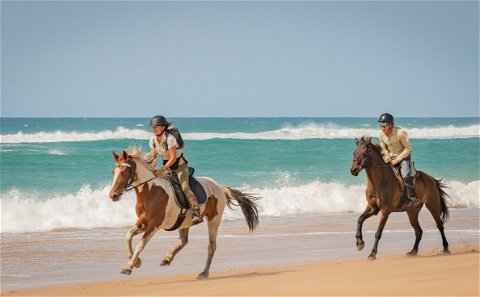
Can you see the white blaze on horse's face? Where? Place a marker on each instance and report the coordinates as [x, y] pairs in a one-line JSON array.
[[120, 181], [113, 190]]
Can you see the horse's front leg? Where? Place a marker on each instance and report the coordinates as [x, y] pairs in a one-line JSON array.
[[181, 243], [378, 234], [368, 212], [135, 230], [138, 249]]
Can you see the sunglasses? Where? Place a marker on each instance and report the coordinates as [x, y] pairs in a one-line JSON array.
[[384, 125]]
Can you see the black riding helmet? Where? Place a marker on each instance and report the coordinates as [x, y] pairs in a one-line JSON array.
[[158, 120], [386, 118]]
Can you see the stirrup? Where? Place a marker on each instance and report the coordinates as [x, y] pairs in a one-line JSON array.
[[197, 217], [197, 220], [412, 202]]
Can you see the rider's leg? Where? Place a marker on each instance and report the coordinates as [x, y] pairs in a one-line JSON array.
[[183, 175], [405, 170]]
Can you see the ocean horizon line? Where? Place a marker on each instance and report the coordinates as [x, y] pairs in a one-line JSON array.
[[238, 117]]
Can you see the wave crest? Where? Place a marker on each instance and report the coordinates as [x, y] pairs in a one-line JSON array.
[[88, 208], [308, 131], [61, 136]]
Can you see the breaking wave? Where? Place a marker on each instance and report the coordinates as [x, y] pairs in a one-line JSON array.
[[308, 131], [92, 208]]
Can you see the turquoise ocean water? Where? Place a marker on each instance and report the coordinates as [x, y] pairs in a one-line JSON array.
[[298, 165]]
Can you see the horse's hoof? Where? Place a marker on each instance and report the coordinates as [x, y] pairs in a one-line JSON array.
[[138, 263], [164, 263], [372, 258], [202, 275], [360, 246], [126, 271], [412, 253], [446, 251]]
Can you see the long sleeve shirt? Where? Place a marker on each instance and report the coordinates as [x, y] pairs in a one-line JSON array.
[[396, 146]]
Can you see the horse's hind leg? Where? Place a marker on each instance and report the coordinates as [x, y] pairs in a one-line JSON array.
[[413, 217], [212, 245], [435, 211], [378, 234], [182, 241], [368, 212]]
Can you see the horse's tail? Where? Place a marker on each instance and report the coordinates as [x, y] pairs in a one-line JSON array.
[[443, 200], [247, 203]]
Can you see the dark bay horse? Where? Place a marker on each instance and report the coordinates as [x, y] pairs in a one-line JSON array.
[[385, 194], [157, 209]]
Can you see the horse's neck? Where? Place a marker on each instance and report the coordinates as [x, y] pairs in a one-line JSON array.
[[143, 173], [378, 171]]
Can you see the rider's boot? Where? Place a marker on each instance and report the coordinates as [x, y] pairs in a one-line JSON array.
[[412, 197], [197, 217]]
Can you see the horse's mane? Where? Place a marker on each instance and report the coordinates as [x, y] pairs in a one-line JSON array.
[[376, 147], [368, 141], [135, 152]]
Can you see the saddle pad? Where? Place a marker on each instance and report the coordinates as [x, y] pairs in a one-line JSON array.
[[414, 173], [198, 190], [413, 170], [195, 186]]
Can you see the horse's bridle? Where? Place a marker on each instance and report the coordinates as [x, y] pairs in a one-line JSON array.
[[366, 156], [132, 178]]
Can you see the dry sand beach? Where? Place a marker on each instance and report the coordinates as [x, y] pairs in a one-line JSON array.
[[297, 255], [428, 274]]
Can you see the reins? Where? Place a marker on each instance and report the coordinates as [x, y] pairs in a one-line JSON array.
[[130, 187], [378, 166]]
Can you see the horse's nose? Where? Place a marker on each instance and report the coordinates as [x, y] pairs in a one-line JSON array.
[[354, 172], [114, 196]]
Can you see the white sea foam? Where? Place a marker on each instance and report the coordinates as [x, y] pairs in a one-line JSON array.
[[23, 212], [333, 131], [307, 131], [56, 152], [61, 136], [91, 208]]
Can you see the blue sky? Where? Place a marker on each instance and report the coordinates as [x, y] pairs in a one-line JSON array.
[[206, 59]]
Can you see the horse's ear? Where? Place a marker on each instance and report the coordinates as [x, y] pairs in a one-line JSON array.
[[356, 141], [369, 140], [115, 156], [124, 155]]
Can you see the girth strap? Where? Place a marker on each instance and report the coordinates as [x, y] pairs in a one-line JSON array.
[[180, 219]]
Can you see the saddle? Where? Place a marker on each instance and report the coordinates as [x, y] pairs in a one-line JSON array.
[[414, 173], [180, 198]]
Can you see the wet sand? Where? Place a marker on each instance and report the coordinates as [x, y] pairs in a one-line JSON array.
[[313, 254], [424, 275]]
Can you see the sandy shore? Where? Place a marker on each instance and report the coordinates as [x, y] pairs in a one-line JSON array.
[[429, 274]]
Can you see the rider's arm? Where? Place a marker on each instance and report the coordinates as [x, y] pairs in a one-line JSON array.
[[153, 153], [173, 153], [383, 145], [403, 137]]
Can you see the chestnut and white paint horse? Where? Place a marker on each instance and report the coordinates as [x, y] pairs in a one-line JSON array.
[[156, 207]]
